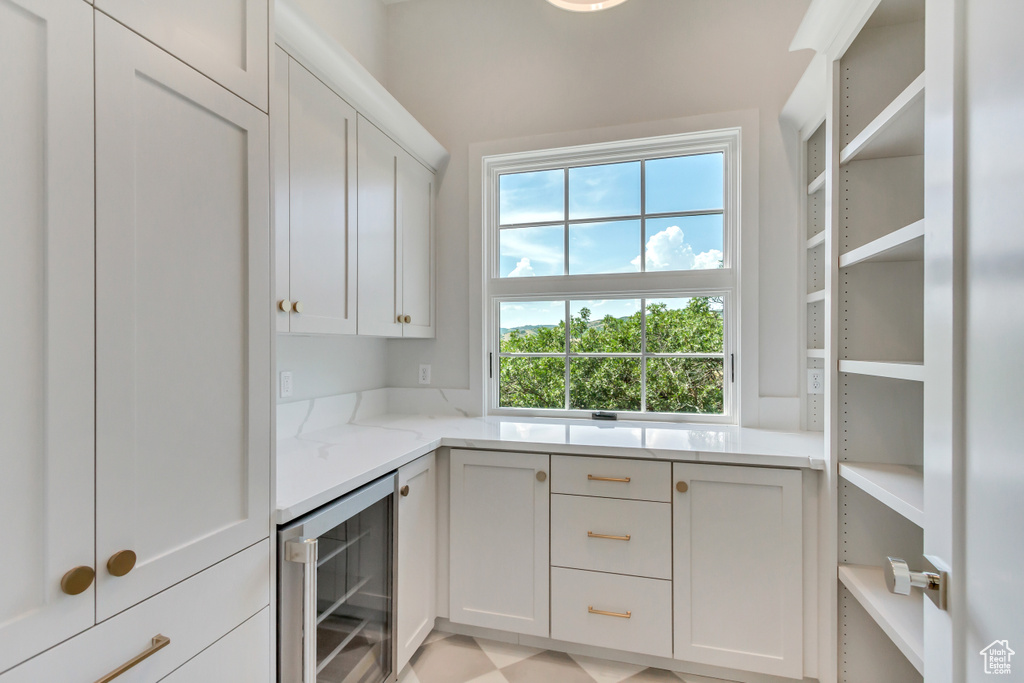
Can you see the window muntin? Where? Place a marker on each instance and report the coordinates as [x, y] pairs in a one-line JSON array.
[[693, 255], [658, 355]]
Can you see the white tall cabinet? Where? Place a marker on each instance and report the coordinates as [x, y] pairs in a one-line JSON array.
[[46, 342], [136, 451], [315, 203], [499, 541], [182, 286]]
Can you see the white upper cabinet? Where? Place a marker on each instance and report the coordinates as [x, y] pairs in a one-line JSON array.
[[417, 555], [396, 257], [499, 572], [182, 322], [380, 283], [224, 39], [416, 218], [46, 341], [738, 568], [315, 166]]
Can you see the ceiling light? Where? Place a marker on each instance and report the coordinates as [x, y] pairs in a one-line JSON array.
[[585, 5]]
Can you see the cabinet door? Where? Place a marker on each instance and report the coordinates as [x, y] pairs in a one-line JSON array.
[[322, 235], [183, 324], [46, 339], [242, 655], [226, 40], [499, 541], [279, 152], [416, 207], [417, 555], [380, 275], [738, 570]]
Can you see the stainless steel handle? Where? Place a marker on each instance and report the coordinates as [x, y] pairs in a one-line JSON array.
[[623, 480], [158, 643], [304, 551], [899, 580]]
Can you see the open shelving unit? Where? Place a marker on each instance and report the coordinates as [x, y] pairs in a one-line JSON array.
[[817, 297], [879, 231]]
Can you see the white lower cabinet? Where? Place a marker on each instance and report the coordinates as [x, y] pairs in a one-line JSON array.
[[628, 613], [192, 614], [738, 573], [417, 555], [242, 656], [499, 541]]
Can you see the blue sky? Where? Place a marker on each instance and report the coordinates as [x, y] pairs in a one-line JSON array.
[[688, 183]]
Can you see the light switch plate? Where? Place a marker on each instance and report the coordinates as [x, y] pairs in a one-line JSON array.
[[286, 384]]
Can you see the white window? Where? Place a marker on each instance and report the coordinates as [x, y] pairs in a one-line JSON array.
[[611, 278]]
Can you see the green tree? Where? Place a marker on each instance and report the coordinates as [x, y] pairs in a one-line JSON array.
[[674, 385]]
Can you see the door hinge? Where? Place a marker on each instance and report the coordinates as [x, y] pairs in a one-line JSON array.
[[732, 364]]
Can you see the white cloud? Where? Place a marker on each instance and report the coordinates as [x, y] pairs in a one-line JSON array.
[[668, 250], [522, 269]]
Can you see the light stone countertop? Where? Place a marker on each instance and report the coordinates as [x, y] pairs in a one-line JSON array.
[[314, 468]]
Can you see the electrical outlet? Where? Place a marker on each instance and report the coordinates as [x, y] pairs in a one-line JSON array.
[[815, 381], [424, 374], [286, 384]]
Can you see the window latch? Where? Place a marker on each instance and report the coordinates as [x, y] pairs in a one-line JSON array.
[[601, 415]]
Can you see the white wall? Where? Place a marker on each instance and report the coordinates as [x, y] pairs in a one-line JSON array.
[[475, 71], [324, 366], [359, 25]]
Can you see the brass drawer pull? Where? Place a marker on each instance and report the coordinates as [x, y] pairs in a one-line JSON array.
[[159, 642], [591, 534], [624, 480], [620, 615]]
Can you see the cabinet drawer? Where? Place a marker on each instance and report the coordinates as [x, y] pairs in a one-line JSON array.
[[611, 478], [579, 525], [193, 614], [242, 655], [578, 597]]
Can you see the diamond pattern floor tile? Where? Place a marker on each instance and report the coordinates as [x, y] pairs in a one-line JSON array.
[[446, 658]]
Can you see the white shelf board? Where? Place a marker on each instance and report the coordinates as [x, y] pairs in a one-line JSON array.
[[814, 297], [816, 240], [905, 244], [897, 132], [913, 372], [900, 616], [900, 487], [816, 184], [816, 353]]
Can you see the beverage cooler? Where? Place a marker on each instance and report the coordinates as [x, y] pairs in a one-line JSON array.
[[336, 587]]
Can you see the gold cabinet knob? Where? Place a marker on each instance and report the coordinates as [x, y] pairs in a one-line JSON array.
[[77, 580], [542, 476], [297, 307], [401, 318], [284, 305], [404, 490], [682, 487], [407, 319], [121, 562]]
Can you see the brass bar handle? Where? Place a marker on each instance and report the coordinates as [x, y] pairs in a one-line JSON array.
[[591, 534], [624, 480], [620, 615], [159, 642]]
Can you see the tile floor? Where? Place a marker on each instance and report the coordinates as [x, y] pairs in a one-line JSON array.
[[446, 658]]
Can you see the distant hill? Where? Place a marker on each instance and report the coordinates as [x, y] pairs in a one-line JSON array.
[[528, 329]]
